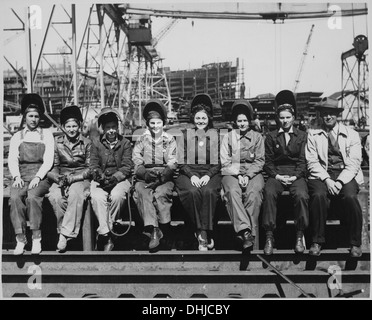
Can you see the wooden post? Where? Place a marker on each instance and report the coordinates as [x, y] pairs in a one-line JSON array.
[[87, 228]]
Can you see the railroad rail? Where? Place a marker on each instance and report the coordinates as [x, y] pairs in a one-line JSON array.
[[183, 274]]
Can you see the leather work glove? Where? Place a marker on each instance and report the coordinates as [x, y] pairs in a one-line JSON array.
[[109, 183], [97, 176], [153, 185], [166, 175], [74, 178], [141, 172], [155, 182], [63, 181], [55, 177], [151, 176]]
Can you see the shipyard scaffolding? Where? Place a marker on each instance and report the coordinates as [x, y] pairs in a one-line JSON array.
[[113, 64], [355, 88]]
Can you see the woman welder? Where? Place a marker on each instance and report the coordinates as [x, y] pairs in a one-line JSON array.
[[70, 175], [30, 158], [199, 182], [285, 164], [155, 159], [242, 160]]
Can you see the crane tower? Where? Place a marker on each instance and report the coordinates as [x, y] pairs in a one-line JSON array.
[[304, 54]]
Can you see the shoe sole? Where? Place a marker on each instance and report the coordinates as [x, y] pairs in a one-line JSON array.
[[355, 256], [314, 254]]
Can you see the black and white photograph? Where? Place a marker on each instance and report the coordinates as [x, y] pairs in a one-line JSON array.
[[204, 152]]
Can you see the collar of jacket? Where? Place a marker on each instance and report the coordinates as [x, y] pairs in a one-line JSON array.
[[64, 139], [26, 129], [148, 133], [293, 130], [342, 129], [105, 141], [247, 135]]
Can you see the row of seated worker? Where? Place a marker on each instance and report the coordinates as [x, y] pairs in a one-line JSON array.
[[316, 167]]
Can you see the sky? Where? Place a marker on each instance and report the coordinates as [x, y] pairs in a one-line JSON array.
[[269, 53]]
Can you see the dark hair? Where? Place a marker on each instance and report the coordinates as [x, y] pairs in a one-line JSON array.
[[32, 106], [151, 115], [206, 109], [284, 107], [235, 126], [72, 118]]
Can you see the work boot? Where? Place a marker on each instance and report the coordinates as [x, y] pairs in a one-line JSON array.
[[210, 241], [315, 249], [20, 247], [62, 243], [299, 245], [36, 242], [201, 236], [248, 239], [269, 244], [156, 235], [167, 241], [356, 251], [36, 246], [109, 245]]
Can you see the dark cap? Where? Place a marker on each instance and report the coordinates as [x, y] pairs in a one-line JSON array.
[[204, 100], [32, 100], [285, 100], [70, 112], [108, 114], [157, 106], [241, 107]]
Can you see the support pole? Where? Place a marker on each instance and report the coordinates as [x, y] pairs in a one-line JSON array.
[[139, 90], [101, 53], [30, 88], [74, 56], [358, 96]]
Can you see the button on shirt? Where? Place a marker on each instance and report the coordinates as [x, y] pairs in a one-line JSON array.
[[31, 136]]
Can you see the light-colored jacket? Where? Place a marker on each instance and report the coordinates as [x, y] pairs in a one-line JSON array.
[[242, 155], [316, 153]]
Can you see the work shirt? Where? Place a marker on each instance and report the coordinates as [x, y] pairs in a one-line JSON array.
[[200, 153], [242, 154], [39, 135], [72, 158], [151, 153], [285, 153], [112, 159]]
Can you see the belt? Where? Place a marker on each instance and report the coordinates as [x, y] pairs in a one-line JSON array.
[[336, 166]]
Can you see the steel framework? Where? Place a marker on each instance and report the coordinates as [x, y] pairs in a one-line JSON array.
[[107, 70], [355, 75]]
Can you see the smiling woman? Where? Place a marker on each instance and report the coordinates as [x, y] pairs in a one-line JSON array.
[[69, 176], [199, 182]]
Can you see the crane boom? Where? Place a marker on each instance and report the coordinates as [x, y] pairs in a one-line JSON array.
[[304, 54], [162, 33]]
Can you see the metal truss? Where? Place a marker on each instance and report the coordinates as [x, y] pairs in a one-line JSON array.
[[355, 88], [107, 71]]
